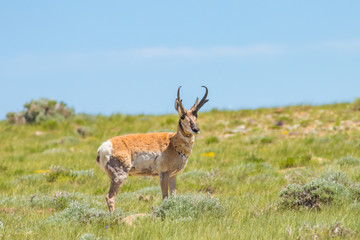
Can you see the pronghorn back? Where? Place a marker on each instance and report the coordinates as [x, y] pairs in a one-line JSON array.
[[142, 142]]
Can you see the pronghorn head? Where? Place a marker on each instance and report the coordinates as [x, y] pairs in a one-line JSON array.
[[188, 118]]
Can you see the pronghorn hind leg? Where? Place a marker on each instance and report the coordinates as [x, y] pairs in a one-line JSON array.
[[113, 191], [164, 183], [172, 186], [117, 173]]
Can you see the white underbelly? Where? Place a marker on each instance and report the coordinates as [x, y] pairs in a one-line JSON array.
[[146, 163]]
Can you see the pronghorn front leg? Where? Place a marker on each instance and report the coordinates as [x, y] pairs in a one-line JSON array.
[[164, 183], [172, 185]]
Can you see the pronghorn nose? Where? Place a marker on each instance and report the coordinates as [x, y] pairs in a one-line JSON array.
[[196, 130]]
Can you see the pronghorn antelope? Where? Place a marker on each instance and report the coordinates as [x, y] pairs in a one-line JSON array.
[[152, 154]]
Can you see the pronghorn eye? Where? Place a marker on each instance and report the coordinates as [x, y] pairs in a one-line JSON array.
[[182, 117]]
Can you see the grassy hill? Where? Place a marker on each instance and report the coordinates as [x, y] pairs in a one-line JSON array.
[[289, 173]]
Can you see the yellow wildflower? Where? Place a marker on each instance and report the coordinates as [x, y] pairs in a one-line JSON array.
[[285, 132], [43, 171], [207, 154]]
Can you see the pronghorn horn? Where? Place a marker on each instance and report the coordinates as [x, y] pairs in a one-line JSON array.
[[178, 103], [198, 105]]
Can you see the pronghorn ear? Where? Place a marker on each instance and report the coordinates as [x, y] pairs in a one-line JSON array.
[[179, 108]]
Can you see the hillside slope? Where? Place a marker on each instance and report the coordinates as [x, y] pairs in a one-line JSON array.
[[239, 182]]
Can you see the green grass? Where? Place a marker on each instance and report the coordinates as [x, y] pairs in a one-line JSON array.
[[247, 178]]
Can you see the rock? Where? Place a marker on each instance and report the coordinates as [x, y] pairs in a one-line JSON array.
[[82, 131], [38, 133], [278, 110], [240, 128], [130, 220], [279, 123]]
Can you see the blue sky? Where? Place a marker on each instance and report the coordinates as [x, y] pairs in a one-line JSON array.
[[130, 56]]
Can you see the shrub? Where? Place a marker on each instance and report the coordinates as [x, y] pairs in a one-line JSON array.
[[43, 110], [356, 104], [154, 190], [61, 200], [194, 174], [314, 194], [323, 191], [16, 118], [336, 230], [207, 183], [354, 190], [348, 160], [212, 139], [266, 140], [83, 213], [84, 131], [39, 201], [57, 171], [285, 120], [50, 124], [337, 177], [292, 196], [287, 162], [188, 207], [330, 187], [68, 140], [3, 168], [84, 119], [259, 140], [254, 158], [88, 236], [298, 175], [82, 173], [55, 151], [30, 179], [297, 161]]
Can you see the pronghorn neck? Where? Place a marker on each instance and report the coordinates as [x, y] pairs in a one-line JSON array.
[[180, 130], [183, 141]]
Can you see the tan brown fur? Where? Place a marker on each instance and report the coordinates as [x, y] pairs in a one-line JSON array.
[[140, 142]]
